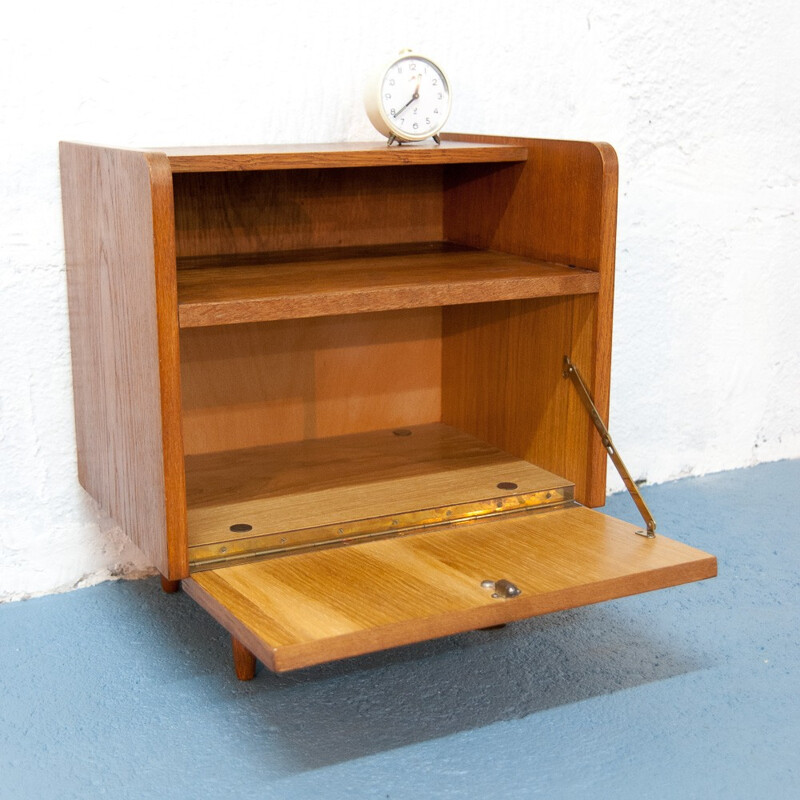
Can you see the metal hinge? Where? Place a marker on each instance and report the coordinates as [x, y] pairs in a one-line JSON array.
[[571, 371], [502, 589]]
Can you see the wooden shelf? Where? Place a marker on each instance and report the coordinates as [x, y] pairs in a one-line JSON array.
[[343, 488], [229, 289], [348, 154], [308, 608]]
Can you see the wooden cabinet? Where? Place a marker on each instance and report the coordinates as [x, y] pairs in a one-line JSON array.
[[323, 386]]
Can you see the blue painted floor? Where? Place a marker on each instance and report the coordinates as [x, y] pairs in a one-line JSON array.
[[121, 691]]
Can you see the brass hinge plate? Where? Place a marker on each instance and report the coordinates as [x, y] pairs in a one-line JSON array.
[[212, 556]]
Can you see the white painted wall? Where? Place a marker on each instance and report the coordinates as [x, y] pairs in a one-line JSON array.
[[700, 99]]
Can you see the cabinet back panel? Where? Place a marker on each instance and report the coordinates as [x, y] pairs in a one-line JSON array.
[[248, 212], [258, 384]]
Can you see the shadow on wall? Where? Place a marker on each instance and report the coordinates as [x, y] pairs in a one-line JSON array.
[[346, 710]]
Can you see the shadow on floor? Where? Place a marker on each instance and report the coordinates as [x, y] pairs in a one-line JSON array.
[[350, 709]]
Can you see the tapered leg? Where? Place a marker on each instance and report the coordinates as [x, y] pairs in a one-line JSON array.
[[243, 661], [170, 587]]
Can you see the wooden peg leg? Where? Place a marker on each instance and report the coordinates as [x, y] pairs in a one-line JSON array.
[[170, 587], [244, 661]]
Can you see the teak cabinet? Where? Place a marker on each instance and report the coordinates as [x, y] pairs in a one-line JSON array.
[[323, 386]]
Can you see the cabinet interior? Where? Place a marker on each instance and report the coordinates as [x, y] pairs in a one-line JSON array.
[[292, 389]]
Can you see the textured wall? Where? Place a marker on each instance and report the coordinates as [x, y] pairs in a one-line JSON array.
[[700, 101]]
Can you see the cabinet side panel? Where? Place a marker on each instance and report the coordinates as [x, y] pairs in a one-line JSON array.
[[123, 327], [559, 205], [502, 380]]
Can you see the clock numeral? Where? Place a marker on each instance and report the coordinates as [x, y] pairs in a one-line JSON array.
[[412, 67], [439, 96], [427, 120], [399, 70], [391, 81], [435, 110], [434, 82], [388, 96], [392, 111], [416, 125]]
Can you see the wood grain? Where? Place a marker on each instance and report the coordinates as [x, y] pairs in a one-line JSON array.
[[349, 154], [269, 212], [170, 587], [559, 205], [340, 344], [502, 381], [300, 493], [244, 662], [369, 281], [118, 232], [251, 385], [314, 607]]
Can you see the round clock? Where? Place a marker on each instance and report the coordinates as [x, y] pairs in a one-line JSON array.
[[409, 100]]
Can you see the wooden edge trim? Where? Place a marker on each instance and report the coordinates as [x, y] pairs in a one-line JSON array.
[[375, 154], [196, 314], [257, 646], [169, 363], [598, 457], [606, 151]]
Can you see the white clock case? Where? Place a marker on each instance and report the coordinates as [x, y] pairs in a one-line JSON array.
[[381, 121]]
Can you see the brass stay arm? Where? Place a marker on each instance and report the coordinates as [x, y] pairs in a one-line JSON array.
[[571, 371]]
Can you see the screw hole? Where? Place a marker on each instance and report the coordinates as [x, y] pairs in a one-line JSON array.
[[506, 485], [241, 527], [402, 432]]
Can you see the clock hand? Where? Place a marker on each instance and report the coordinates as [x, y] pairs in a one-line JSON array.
[[414, 97]]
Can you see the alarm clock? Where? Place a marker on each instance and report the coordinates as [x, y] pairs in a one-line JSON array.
[[409, 100]]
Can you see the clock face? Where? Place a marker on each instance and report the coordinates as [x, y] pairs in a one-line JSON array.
[[414, 98]]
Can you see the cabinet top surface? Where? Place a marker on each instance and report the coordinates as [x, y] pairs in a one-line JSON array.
[[341, 154]]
